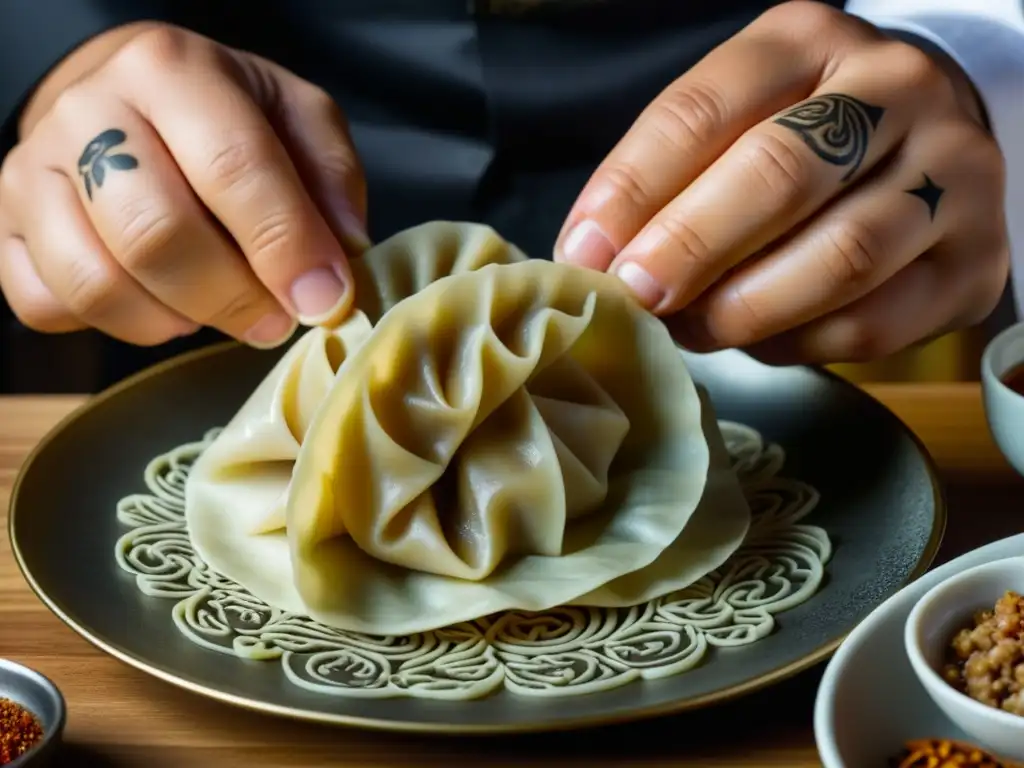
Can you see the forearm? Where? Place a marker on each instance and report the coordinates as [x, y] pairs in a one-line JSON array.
[[76, 65]]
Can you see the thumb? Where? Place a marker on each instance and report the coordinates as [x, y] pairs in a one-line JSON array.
[[313, 129]]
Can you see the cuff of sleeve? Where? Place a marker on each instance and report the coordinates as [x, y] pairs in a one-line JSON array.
[[991, 52]]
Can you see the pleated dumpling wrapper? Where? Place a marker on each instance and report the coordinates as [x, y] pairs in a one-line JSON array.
[[515, 437], [240, 483]]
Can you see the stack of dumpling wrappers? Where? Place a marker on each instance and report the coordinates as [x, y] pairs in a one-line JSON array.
[[484, 433]]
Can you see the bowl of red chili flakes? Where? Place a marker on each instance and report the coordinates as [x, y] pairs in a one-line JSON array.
[[32, 716]]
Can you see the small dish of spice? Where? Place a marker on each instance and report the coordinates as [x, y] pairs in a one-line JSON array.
[[32, 716], [944, 753], [965, 642]]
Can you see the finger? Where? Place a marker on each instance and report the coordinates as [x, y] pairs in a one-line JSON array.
[[856, 244], [30, 300], [931, 296], [769, 182], [75, 266], [231, 156], [27, 296], [316, 135], [847, 252], [773, 63], [153, 225], [678, 136]]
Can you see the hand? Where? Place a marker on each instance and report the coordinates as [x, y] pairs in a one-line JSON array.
[[812, 191], [181, 184]]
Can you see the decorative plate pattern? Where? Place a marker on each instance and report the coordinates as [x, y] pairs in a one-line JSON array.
[[564, 651]]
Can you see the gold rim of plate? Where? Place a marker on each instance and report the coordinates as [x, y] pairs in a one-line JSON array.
[[730, 693]]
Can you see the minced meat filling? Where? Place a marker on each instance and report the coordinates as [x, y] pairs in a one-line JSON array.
[[986, 660]]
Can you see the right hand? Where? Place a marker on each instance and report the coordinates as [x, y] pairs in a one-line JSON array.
[[182, 184]]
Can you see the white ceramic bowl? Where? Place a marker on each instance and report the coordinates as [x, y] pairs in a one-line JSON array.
[[944, 609], [1004, 408]]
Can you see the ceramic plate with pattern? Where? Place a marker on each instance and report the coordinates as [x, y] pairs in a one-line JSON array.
[[846, 510]]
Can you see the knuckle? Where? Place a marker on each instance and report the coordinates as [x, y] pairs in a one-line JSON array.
[[337, 165], [685, 240], [853, 337], [92, 287], [800, 18], [968, 151], [12, 174], [319, 100], [238, 160], [272, 233], [627, 185], [31, 313], [689, 115], [985, 157], [916, 69], [777, 168], [30, 308], [852, 253], [71, 104], [146, 235], [238, 312], [747, 320], [153, 50], [152, 333], [863, 343], [989, 284], [153, 338]]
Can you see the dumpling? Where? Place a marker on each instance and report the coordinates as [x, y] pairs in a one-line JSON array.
[[519, 435]]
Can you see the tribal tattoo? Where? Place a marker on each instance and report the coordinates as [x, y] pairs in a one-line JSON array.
[[96, 159], [836, 127]]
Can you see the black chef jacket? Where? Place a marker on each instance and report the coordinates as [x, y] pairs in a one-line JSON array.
[[485, 110]]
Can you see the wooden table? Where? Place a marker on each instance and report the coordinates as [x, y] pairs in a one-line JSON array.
[[120, 717]]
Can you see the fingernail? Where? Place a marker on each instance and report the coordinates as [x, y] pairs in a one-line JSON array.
[[586, 245], [318, 295], [639, 280], [271, 330]]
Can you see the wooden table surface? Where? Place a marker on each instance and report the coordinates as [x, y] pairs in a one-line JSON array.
[[120, 717]]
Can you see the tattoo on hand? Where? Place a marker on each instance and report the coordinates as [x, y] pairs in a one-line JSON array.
[[930, 192], [96, 159], [836, 127]]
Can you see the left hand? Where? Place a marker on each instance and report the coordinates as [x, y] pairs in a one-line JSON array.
[[812, 191]]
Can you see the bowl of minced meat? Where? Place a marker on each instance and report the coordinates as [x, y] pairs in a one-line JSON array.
[[965, 642], [985, 659]]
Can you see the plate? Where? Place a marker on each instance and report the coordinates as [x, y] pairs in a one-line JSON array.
[[853, 724], [880, 504]]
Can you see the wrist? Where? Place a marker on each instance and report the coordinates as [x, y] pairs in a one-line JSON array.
[[81, 62]]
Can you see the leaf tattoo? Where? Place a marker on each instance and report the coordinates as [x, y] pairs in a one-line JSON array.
[[96, 159]]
